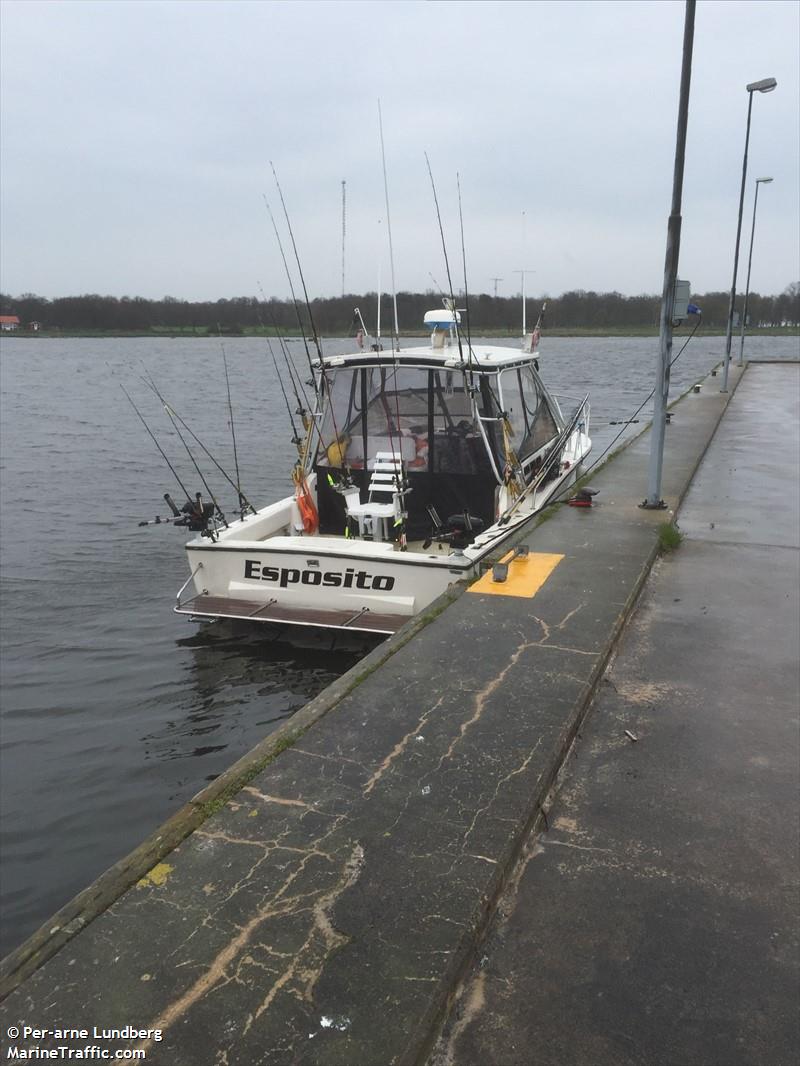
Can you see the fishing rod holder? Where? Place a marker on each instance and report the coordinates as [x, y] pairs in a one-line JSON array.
[[459, 531], [196, 516]]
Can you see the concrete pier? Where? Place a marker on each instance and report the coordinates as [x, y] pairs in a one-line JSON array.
[[657, 921], [330, 910]]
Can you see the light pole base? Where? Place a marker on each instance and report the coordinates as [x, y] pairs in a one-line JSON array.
[[647, 506]]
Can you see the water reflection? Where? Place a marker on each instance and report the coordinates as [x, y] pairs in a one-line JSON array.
[[242, 677]]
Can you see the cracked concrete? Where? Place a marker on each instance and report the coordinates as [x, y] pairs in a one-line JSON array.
[[657, 925], [325, 915]]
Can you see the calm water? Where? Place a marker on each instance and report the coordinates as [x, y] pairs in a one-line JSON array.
[[114, 710]]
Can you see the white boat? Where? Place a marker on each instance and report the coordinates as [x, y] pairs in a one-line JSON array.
[[419, 465]]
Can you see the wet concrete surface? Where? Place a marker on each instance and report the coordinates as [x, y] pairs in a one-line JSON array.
[[326, 914], [656, 921]]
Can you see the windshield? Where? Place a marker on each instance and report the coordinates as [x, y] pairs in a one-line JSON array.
[[529, 415], [418, 413]]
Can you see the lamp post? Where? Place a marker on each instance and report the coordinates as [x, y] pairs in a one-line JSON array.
[[766, 85], [759, 181], [661, 389]]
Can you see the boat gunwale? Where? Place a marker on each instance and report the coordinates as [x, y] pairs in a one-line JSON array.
[[403, 558]]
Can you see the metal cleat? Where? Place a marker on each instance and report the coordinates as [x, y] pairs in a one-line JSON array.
[[500, 570]]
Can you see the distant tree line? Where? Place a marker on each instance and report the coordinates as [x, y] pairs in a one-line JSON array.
[[335, 315]]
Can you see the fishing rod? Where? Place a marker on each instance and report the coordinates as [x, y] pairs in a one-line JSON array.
[[453, 301], [294, 297], [554, 454], [148, 380], [243, 501], [305, 503], [197, 440], [323, 375], [437, 286], [310, 423], [396, 335], [297, 385], [297, 440], [401, 481], [314, 333], [446, 261], [153, 437], [466, 289], [194, 515], [512, 462], [513, 468]]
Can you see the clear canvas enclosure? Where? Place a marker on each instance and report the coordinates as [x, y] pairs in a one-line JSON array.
[[426, 417], [532, 422], [413, 412]]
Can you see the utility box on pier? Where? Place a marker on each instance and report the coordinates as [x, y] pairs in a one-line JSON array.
[[681, 308]]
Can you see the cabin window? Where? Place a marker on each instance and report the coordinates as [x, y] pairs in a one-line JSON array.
[[532, 422], [514, 408], [397, 414], [425, 415], [342, 412], [376, 409], [541, 425], [457, 443]]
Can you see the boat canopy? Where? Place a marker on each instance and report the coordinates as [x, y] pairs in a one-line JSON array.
[[453, 448], [414, 412]]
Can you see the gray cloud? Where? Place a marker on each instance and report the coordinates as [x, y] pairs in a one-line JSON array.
[[136, 139]]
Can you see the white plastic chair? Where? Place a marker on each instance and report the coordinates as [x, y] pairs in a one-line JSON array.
[[385, 498]]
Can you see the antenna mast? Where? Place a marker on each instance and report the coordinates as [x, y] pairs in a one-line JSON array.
[[524, 300], [343, 230], [523, 272]]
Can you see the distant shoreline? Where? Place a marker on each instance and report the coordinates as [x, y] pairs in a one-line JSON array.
[[161, 334]]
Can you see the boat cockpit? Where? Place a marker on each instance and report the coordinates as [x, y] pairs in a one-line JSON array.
[[453, 434]]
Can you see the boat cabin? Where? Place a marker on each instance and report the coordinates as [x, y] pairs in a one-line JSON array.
[[436, 418]]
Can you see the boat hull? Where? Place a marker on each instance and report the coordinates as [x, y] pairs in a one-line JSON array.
[[303, 575], [333, 582]]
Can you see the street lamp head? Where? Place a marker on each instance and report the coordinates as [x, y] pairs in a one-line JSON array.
[[764, 86], [763, 181]]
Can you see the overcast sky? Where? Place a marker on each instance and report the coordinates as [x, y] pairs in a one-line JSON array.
[[136, 140]]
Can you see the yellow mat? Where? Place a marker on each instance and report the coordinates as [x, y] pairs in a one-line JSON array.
[[526, 575]]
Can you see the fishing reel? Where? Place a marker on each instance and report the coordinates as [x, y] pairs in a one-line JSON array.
[[459, 531], [342, 482], [195, 515]]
